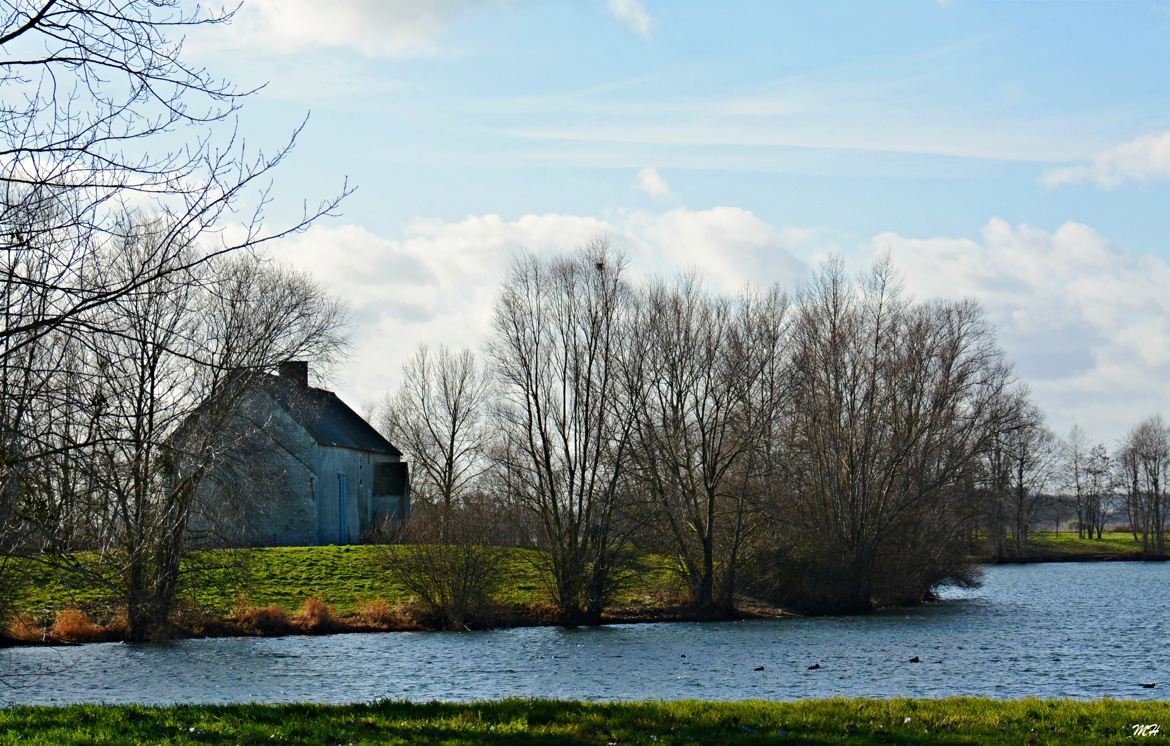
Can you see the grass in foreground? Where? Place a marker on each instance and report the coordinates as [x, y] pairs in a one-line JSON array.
[[899, 721]]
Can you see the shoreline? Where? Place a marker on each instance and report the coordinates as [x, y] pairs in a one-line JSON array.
[[274, 622], [506, 618]]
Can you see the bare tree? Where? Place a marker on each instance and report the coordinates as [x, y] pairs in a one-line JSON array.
[[1144, 461], [100, 111], [1033, 455], [452, 565], [1075, 469], [437, 417], [707, 403], [1099, 486], [893, 402], [165, 379], [1089, 477], [560, 350]]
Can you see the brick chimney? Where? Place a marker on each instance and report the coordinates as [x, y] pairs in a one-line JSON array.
[[296, 371]]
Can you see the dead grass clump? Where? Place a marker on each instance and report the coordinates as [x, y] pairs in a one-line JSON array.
[[118, 623], [26, 628], [266, 620], [380, 614], [74, 625], [240, 605], [317, 616]]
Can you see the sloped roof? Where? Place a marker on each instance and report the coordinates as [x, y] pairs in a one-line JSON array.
[[325, 417]]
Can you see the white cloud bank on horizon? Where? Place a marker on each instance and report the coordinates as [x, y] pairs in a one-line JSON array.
[[1146, 158], [1088, 325], [631, 14]]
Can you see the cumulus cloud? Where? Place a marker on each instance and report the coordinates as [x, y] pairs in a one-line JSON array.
[[1087, 324], [631, 14], [652, 183], [1146, 158], [438, 282], [376, 28]]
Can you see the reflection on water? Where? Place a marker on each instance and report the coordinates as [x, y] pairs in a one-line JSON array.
[[1059, 630]]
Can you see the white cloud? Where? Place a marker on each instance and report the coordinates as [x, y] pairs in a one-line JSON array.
[[1146, 158], [652, 183], [631, 14], [438, 283], [376, 28], [1088, 325]]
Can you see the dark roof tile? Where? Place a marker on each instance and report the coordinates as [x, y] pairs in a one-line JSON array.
[[326, 418]]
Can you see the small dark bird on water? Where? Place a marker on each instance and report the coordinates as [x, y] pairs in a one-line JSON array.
[[814, 666], [915, 660], [758, 668], [1148, 686]]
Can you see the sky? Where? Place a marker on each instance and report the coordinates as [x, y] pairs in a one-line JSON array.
[[1014, 152]]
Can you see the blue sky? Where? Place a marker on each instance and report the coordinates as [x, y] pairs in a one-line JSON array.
[[1018, 152]]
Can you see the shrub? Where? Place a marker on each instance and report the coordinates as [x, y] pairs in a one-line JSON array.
[[267, 620], [317, 616], [446, 559], [73, 625]]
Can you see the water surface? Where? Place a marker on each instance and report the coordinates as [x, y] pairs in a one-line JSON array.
[[1081, 630]]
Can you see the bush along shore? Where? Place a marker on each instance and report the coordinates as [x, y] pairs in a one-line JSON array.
[[857, 721]]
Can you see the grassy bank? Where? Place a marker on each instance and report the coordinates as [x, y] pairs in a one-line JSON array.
[[282, 590], [903, 721], [1044, 546]]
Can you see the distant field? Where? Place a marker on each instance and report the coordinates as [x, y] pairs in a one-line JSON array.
[[900, 721], [343, 576], [1047, 546], [1111, 544]]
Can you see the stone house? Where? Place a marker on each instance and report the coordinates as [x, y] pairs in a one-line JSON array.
[[299, 468]]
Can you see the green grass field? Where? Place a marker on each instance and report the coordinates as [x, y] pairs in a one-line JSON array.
[[899, 721], [343, 576], [1112, 544], [1048, 546]]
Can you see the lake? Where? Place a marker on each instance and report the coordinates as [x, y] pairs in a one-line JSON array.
[[1079, 630]]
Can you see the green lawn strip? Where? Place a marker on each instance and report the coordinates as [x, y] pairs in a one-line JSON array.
[[1066, 546], [858, 721], [1111, 544]]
